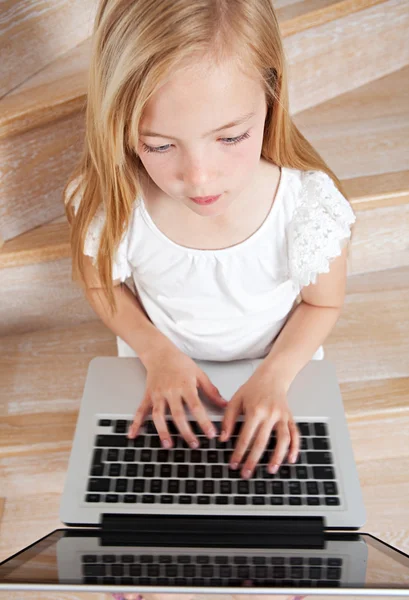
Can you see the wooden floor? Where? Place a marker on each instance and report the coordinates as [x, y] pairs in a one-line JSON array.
[[42, 376]]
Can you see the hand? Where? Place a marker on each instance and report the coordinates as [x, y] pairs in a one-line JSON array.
[[173, 377], [263, 399]]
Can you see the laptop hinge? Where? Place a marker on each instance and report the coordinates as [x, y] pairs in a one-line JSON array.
[[210, 530]]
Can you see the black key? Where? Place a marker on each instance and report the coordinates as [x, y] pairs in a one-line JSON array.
[[120, 426], [313, 500], [332, 501], [148, 499], [240, 560], [303, 444], [334, 562], [155, 486], [242, 487], [129, 455], [179, 456], [294, 488], [222, 500], [330, 488], [323, 473], [130, 498], [315, 560], [199, 471], [203, 499], [104, 422], [301, 472], [98, 485], [94, 570], [131, 470], [163, 456], [319, 458], [173, 486], [225, 487], [208, 487], [185, 499], [97, 470], [121, 486], [277, 487], [217, 471], [304, 428], [113, 441], [212, 456], [114, 470], [294, 501], [284, 472], [138, 485], [148, 470], [182, 471], [97, 457], [239, 500], [333, 573], [261, 487], [166, 499], [92, 498], [166, 471], [146, 455], [150, 427], [321, 443], [276, 501], [190, 486], [112, 455], [321, 429], [258, 500], [111, 498], [195, 456], [296, 561], [297, 572], [312, 488], [315, 573]]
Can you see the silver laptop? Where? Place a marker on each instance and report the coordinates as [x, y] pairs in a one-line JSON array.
[[143, 518]]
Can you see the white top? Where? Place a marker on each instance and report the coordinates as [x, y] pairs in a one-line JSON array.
[[231, 303]]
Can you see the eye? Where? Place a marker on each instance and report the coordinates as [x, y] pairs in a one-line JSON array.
[[226, 141]]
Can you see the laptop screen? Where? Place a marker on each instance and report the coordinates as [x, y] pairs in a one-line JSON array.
[[82, 560]]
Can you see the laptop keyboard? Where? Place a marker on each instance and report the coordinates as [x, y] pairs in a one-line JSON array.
[[141, 471], [194, 569]]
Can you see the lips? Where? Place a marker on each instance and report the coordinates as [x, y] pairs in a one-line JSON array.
[[205, 199]]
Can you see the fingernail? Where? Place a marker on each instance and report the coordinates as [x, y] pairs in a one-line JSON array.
[[234, 465], [247, 473], [222, 435], [274, 469], [166, 443]]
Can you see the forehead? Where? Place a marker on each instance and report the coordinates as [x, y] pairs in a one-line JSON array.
[[201, 95]]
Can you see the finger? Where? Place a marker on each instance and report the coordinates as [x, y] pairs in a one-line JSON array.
[[283, 441], [211, 390], [259, 446], [139, 417], [246, 435], [198, 411], [230, 417], [179, 418], [295, 442], [161, 424]]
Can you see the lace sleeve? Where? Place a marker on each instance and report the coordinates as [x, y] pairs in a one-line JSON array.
[[319, 229], [121, 268]]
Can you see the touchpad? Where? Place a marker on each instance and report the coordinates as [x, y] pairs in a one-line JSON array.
[[228, 377]]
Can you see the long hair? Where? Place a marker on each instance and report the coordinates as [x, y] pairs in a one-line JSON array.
[[136, 46]]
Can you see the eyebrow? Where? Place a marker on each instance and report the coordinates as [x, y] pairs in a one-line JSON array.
[[238, 121]]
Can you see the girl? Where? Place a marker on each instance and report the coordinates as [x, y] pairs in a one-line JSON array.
[[195, 184]]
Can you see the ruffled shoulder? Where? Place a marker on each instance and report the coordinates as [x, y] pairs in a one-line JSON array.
[[319, 228], [121, 268]]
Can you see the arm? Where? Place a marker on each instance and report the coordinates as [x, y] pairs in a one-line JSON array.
[[310, 323], [130, 322]]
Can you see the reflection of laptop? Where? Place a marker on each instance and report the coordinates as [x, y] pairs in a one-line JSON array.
[[181, 520]]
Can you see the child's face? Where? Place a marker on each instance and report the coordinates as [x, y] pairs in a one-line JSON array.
[[197, 100]]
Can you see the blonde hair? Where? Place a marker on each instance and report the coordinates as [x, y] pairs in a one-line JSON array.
[[136, 46]]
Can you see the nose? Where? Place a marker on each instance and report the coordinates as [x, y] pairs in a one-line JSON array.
[[198, 175]]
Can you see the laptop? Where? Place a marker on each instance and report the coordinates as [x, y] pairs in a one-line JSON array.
[[142, 518]]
